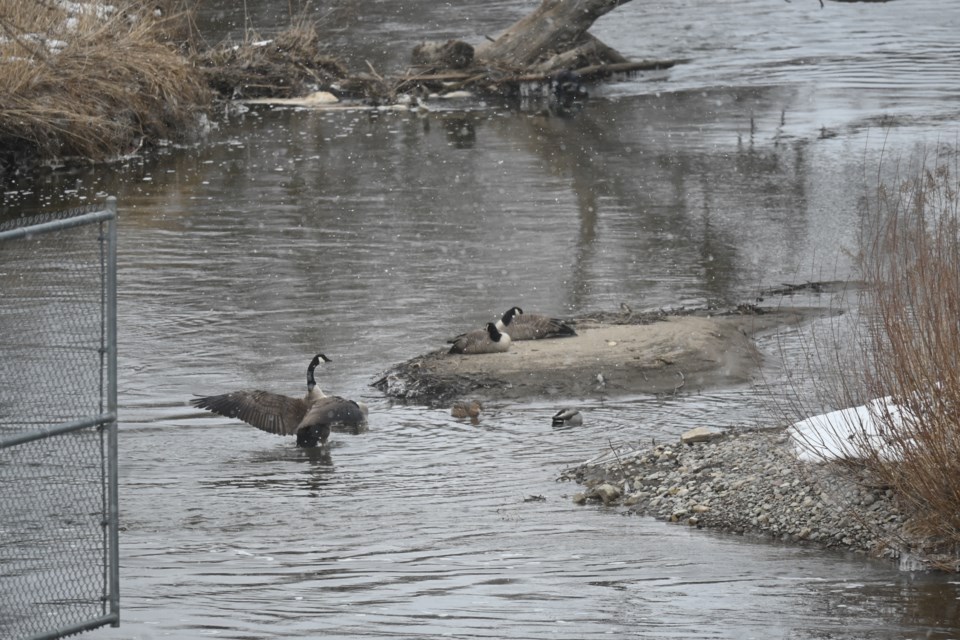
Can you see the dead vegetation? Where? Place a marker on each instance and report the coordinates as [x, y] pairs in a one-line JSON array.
[[290, 64], [91, 81], [902, 345], [913, 262]]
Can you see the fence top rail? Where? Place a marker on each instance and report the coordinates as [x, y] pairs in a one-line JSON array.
[[57, 430], [107, 212]]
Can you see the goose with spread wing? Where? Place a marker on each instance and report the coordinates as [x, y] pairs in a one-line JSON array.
[[309, 418]]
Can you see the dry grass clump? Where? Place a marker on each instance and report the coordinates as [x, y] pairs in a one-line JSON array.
[[912, 260], [290, 64], [84, 80]]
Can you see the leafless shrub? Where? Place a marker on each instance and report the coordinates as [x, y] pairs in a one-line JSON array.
[[911, 257], [897, 352]]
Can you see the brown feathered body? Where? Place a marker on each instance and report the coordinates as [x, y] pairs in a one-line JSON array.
[[470, 409], [533, 326]]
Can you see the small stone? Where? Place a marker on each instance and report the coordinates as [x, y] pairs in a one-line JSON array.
[[579, 498], [320, 97], [699, 434], [607, 492], [632, 499], [700, 508]]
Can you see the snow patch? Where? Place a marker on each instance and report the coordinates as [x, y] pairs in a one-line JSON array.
[[844, 434]]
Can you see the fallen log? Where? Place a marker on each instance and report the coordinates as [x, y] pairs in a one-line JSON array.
[[590, 52], [551, 37], [547, 54], [533, 83]]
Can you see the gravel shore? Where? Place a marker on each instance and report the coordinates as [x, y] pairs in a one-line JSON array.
[[751, 482]]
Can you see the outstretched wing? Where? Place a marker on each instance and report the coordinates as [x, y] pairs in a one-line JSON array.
[[264, 410]]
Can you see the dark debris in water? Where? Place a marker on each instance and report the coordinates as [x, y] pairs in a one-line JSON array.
[[789, 289], [413, 380]]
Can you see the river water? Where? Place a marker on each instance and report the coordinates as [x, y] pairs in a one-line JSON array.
[[374, 236]]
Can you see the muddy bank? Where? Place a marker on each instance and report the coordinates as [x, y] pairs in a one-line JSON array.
[[613, 354], [752, 483]]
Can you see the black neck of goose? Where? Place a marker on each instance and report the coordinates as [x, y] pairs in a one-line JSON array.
[[492, 332], [509, 315], [311, 381]]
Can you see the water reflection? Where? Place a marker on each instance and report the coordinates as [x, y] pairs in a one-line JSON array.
[[460, 130]]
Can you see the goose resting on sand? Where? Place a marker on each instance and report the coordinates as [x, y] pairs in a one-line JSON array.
[[533, 326], [309, 418], [488, 340], [523, 326]]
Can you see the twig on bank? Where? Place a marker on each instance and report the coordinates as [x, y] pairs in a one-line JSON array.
[[626, 482]]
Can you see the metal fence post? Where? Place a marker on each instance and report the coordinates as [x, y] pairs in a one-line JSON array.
[[113, 508]]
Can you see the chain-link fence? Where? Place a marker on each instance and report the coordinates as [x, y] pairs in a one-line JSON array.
[[58, 431]]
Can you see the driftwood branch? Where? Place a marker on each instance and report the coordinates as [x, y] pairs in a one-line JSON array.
[[548, 53], [556, 28]]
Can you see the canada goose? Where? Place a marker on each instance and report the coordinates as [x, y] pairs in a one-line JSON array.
[[309, 418], [470, 410], [532, 326], [489, 340], [567, 418]]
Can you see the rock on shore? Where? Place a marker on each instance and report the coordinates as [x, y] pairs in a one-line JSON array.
[[748, 482]]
